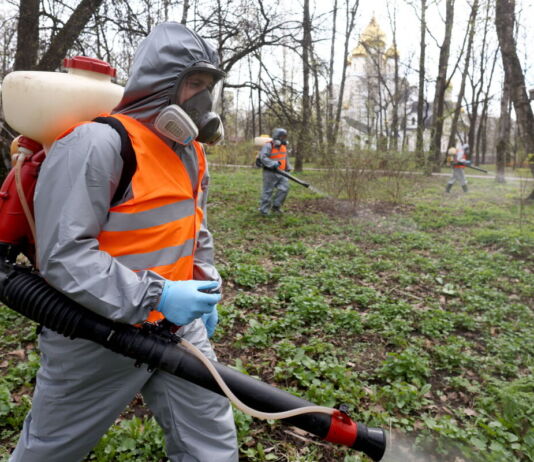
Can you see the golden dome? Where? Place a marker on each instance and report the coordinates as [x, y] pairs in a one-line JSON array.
[[373, 35], [391, 53], [358, 51]]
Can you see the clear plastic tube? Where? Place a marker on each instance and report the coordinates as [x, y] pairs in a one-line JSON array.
[[242, 406]]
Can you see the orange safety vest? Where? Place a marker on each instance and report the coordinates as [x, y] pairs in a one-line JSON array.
[[157, 229], [279, 154]]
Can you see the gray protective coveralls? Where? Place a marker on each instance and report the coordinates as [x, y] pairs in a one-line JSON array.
[[82, 387], [458, 172], [272, 182]]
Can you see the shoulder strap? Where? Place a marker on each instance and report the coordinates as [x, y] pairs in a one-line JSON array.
[[127, 154]]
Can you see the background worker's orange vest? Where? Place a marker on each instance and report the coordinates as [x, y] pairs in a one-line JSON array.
[[156, 229], [279, 154]]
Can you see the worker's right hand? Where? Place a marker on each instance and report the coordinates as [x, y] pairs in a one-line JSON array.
[[182, 302]]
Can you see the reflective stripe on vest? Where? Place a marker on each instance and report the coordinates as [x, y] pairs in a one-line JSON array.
[[156, 229], [279, 154]]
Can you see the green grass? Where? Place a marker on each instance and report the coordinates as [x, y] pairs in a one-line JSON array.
[[416, 315]]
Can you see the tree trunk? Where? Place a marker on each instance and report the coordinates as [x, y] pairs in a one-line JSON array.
[[27, 35], [330, 86], [433, 163], [351, 15], [184, 12], [485, 106], [419, 144], [503, 140], [396, 96], [318, 114], [458, 108], [513, 73], [303, 137]]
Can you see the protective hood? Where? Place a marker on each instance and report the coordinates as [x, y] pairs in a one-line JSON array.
[[163, 58]]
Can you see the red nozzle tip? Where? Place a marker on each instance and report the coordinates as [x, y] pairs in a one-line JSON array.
[[343, 430]]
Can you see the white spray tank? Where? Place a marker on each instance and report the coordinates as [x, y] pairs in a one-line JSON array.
[[42, 105], [261, 140]]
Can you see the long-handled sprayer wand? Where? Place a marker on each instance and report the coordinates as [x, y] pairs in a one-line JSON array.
[[292, 178]]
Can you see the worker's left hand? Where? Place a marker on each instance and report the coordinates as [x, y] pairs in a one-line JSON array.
[[210, 320]]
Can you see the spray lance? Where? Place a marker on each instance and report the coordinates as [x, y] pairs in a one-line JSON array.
[[468, 165], [291, 177], [157, 346]]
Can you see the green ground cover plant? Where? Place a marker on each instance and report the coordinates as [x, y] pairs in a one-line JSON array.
[[417, 314]]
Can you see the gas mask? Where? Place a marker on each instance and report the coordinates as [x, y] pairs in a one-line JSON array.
[[279, 137], [193, 120], [278, 143]]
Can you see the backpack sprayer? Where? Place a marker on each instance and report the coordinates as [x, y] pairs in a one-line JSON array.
[[26, 292], [259, 141], [451, 156]]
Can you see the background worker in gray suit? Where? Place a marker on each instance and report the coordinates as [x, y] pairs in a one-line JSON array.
[[273, 155]]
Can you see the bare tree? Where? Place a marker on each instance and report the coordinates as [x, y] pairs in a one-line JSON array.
[[394, 138], [419, 144], [480, 81], [471, 27], [8, 35], [513, 73], [330, 85], [303, 137], [439, 97], [480, 142], [351, 9], [63, 40], [318, 127]]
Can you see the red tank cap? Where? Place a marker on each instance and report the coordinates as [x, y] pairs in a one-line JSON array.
[[30, 144], [89, 64]]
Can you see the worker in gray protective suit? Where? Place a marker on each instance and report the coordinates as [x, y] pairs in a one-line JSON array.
[[273, 156], [460, 158], [148, 253]]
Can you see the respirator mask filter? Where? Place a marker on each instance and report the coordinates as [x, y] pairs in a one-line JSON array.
[[193, 120], [174, 123]]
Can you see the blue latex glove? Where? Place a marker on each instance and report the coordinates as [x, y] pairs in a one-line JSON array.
[[182, 302], [210, 320]]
